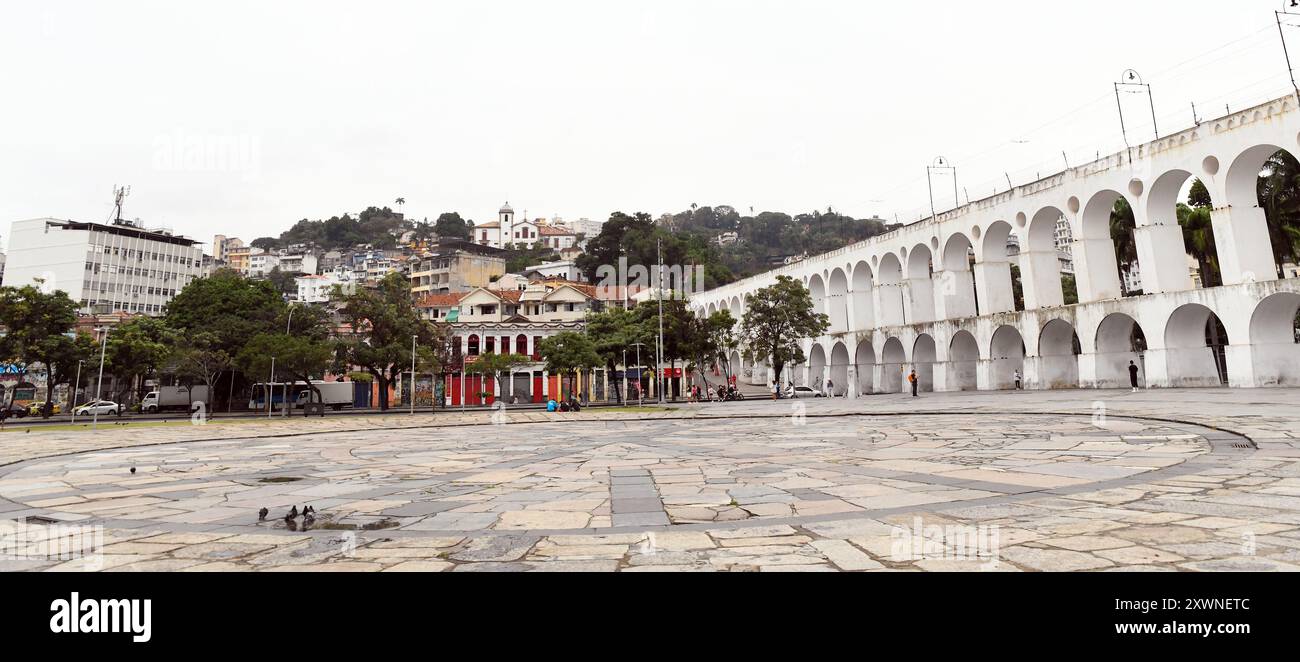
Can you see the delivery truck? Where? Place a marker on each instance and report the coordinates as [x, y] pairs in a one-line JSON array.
[[335, 395], [174, 398]]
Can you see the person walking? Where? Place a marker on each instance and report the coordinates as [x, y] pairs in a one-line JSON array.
[[830, 388], [911, 377], [1016, 375], [1133, 375]]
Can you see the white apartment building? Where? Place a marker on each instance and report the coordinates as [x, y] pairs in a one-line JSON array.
[[319, 288], [104, 268], [261, 263], [302, 263], [563, 269]]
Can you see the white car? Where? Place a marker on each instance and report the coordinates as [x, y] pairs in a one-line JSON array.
[[803, 392], [100, 407]]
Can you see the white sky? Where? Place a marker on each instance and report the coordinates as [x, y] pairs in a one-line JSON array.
[[311, 109]]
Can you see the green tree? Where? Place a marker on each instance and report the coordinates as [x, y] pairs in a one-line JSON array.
[[1069, 289], [136, 352], [1279, 196], [1198, 239], [384, 322], [451, 226], [567, 353], [37, 324], [1122, 228], [778, 318], [720, 328], [227, 305], [496, 367], [302, 357], [612, 331], [199, 358], [266, 243]]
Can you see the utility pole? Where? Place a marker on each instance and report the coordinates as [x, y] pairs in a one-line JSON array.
[[76, 386], [659, 294], [270, 389], [413, 375], [99, 387]]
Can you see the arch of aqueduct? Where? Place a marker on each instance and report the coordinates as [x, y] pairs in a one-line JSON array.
[[912, 299]]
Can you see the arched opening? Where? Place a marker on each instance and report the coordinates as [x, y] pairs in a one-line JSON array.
[[838, 302], [956, 287], [472, 345], [1265, 214], [963, 359], [892, 359], [817, 367], [1058, 350], [1275, 340], [1195, 342], [1105, 249], [865, 361], [736, 366], [521, 344], [920, 285], [864, 317], [997, 281], [890, 283], [817, 289], [1007, 351], [840, 370], [1176, 234], [735, 308], [923, 358], [1120, 340], [1040, 260]]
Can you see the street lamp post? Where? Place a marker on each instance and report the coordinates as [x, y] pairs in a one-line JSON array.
[[639, 395], [270, 388], [659, 294], [284, 410], [413, 375], [76, 386], [99, 387]]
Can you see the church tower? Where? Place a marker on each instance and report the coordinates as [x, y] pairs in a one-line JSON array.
[[506, 222]]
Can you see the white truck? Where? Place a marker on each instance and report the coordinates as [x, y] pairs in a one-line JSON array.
[[335, 395], [168, 398]]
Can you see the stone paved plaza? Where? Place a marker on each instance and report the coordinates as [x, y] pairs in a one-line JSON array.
[[1088, 480]]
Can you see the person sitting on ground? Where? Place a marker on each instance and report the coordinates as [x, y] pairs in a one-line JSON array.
[[551, 405]]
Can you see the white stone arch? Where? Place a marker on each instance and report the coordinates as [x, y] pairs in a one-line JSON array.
[[963, 361], [1241, 231], [1162, 252], [1190, 360], [956, 285], [924, 356], [1274, 350], [1119, 341], [1007, 356], [889, 285], [993, 270], [1040, 265], [817, 367], [1058, 347], [1096, 271], [817, 288], [839, 369], [892, 360], [864, 309], [837, 302], [920, 285], [864, 360]]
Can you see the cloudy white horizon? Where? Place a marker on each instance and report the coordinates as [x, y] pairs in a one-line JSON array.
[[241, 118]]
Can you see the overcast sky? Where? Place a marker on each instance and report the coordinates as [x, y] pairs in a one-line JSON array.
[[243, 117]]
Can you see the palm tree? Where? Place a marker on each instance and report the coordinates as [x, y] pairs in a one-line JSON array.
[[1122, 226], [1280, 199], [1198, 237], [401, 202]]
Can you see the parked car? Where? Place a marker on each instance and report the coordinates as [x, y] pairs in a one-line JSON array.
[[13, 411], [803, 392], [34, 409], [100, 407]]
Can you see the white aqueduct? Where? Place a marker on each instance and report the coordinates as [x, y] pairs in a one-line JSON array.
[[909, 299]]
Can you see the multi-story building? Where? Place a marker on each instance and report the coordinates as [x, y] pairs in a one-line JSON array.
[[565, 269], [300, 263], [236, 257], [320, 288], [261, 263], [221, 245], [507, 231], [104, 268], [455, 266]]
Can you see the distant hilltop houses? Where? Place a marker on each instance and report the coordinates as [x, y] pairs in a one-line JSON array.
[[508, 231]]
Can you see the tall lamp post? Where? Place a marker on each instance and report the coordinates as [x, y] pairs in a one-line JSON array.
[[284, 409], [413, 375], [99, 387], [639, 390], [270, 389], [76, 386], [659, 294]]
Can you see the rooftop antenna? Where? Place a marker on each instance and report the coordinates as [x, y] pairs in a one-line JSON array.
[[119, 196]]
